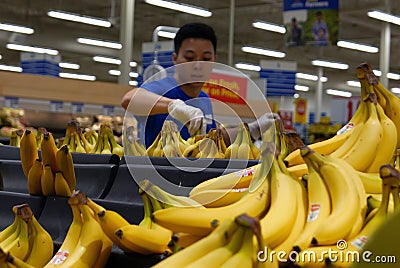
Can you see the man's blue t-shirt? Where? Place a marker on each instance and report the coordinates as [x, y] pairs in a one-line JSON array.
[[169, 88]]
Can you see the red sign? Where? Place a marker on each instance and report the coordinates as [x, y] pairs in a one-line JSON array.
[[226, 88]]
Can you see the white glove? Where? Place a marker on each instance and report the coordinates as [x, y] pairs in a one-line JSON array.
[[260, 125], [188, 115]]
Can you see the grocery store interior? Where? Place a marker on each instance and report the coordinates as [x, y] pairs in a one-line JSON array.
[[234, 24]]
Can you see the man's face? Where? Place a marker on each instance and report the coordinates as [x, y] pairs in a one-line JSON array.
[[194, 61]]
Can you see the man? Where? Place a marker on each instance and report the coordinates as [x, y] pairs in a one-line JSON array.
[[320, 29], [180, 97]]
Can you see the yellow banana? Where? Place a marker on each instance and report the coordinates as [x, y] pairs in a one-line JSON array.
[[79, 148], [48, 149], [13, 261], [10, 229], [61, 186], [42, 248], [371, 181], [243, 257], [106, 144], [183, 240], [115, 147], [219, 197], [232, 150], [34, 177], [244, 151], [218, 237], [28, 151], [153, 146], [105, 252], [47, 181], [66, 166]]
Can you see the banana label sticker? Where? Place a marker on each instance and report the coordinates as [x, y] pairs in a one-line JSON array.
[[245, 172], [60, 257], [314, 211], [359, 242], [345, 128]]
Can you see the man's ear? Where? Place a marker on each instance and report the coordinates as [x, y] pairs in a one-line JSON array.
[[174, 57]]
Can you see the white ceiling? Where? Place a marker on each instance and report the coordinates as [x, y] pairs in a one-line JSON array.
[[354, 25]]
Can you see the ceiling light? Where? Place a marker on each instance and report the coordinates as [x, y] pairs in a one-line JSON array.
[[118, 73], [78, 18], [377, 72], [32, 49], [310, 77], [338, 93], [133, 64], [393, 76], [69, 65], [16, 28], [10, 68], [78, 76], [247, 66], [166, 34], [301, 88], [269, 26], [180, 7], [265, 52], [133, 74], [296, 95], [133, 83], [100, 43], [395, 90], [330, 64], [358, 46], [376, 14], [353, 83], [107, 60]]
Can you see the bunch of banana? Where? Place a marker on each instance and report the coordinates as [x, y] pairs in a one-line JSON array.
[[54, 174], [106, 142], [390, 178], [242, 147], [91, 136], [28, 151], [196, 220], [75, 139], [233, 242], [15, 138], [85, 244], [25, 241], [132, 144], [168, 142]]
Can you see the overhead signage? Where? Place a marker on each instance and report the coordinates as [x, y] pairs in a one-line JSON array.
[[280, 76]]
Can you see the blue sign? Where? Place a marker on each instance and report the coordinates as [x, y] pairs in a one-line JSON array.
[[280, 76]]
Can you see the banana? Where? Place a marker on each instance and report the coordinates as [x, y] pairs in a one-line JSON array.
[[243, 257], [72, 142], [10, 229], [86, 144], [42, 248], [219, 197], [319, 206], [89, 244], [48, 149], [244, 151], [387, 146], [183, 240], [72, 237], [105, 252], [342, 193], [61, 186], [66, 166], [285, 194], [217, 238], [47, 181], [232, 150], [221, 254], [106, 144], [28, 151], [34, 178], [115, 147], [371, 181], [13, 261], [237, 179], [153, 146], [368, 140], [79, 148]]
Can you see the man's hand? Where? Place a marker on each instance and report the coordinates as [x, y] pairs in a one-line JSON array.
[[188, 115], [260, 125]]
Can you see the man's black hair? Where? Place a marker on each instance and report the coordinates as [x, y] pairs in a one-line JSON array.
[[195, 30]]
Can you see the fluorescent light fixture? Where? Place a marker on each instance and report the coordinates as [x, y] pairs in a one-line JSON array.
[[395, 90], [16, 28], [99, 43], [32, 49], [166, 34], [118, 73], [10, 68], [338, 93], [247, 66], [310, 77], [358, 46], [1, 57], [133, 83], [301, 88], [353, 83], [262, 51], [107, 60], [380, 15], [69, 65], [377, 72], [296, 95], [181, 7], [133, 64], [330, 64], [393, 76], [78, 76], [78, 18], [263, 25]]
